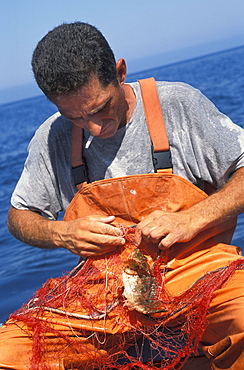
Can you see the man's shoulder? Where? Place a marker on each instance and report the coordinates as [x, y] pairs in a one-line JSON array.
[[56, 129], [176, 88], [171, 91], [177, 94], [54, 122], [54, 125]]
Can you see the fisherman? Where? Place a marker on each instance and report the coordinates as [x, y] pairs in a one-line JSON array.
[[75, 68]]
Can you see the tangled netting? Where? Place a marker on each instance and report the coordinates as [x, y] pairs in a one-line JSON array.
[[115, 312]]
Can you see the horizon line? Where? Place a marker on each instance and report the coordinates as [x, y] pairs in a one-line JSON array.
[[187, 60], [129, 75]]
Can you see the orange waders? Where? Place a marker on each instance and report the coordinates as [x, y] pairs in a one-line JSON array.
[[131, 199]]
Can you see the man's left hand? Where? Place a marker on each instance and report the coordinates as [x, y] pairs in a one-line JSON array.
[[165, 229]]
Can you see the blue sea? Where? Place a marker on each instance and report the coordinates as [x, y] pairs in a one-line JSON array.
[[23, 268]]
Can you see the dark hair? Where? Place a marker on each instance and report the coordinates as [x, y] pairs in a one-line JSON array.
[[69, 56]]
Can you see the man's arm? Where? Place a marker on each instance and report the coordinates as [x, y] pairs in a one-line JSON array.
[[168, 228], [86, 236]]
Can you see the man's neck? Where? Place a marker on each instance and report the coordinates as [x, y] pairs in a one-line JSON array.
[[131, 101]]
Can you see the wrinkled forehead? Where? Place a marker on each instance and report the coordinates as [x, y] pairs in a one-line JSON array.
[[88, 100]]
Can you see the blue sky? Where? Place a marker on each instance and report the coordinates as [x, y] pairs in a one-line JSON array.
[[147, 33]]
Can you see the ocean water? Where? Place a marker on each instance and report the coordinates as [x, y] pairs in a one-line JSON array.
[[23, 268]]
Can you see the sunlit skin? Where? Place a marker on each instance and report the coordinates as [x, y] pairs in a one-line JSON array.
[[99, 110]]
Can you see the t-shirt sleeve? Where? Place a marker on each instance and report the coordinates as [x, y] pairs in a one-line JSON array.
[[46, 185], [221, 140], [206, 145]]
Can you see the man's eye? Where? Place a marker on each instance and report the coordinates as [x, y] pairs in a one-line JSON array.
[[106, 105], [76, 118], [100, 110]]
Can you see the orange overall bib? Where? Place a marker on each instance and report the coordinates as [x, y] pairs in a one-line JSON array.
[[131, 199]]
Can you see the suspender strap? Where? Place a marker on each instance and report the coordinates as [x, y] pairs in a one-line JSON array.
[[79, 170], [156, 127], [155, 123], [76, 149], [154, 116]]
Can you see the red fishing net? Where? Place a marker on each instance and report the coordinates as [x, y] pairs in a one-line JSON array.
[[115, 312]]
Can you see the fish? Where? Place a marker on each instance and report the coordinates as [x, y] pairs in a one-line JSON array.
[[140, 286]]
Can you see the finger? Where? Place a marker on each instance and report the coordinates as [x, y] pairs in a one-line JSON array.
[[137, 238], [104, 240], [112, 230], [139, 232], [95, 249], [155, 233], [104, 227], [97, 235], [105, 219], [149, 233], [166, 242], [95, 226]]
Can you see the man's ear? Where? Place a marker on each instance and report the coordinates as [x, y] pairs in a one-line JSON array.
[[121, 70]]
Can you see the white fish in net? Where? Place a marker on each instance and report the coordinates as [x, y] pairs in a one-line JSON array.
[[139, 283]]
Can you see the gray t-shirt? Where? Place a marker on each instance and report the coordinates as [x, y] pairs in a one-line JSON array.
[[205, 146]]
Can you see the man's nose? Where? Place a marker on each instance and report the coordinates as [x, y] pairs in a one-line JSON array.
[[94, 127]]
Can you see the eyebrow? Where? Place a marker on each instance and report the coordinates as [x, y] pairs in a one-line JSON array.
[[94, 111]]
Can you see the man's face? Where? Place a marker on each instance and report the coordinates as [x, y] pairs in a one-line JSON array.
[[99, 110]]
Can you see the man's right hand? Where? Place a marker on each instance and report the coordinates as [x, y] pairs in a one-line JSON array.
[[87, 236]]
